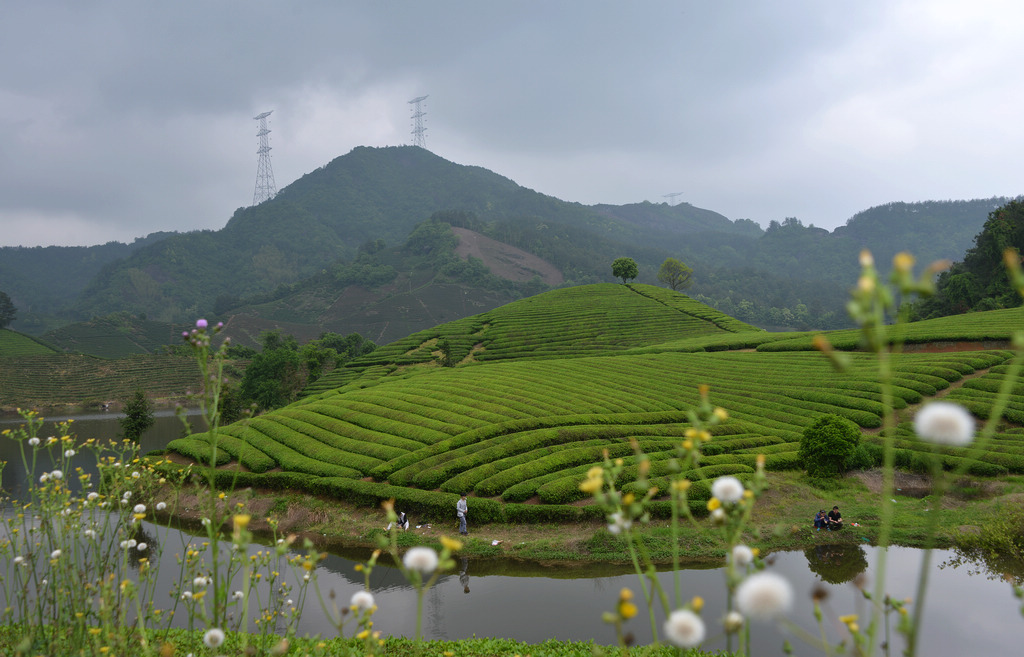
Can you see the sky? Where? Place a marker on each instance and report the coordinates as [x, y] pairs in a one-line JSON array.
[[119, 118]]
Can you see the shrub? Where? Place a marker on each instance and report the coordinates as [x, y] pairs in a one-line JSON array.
[[828, 446]]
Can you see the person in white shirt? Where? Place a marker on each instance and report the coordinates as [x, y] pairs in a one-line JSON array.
[[461, 509]]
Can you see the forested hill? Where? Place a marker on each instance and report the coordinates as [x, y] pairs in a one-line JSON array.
[[791, 275], [368, 194]]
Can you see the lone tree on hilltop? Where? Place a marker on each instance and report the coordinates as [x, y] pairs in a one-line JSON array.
[[8, 313], [625, 268], [675, 274]]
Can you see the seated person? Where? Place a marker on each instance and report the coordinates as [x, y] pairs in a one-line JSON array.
[[820, 520], [835, 519]]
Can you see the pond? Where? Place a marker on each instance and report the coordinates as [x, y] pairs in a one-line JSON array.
[[967, 612]]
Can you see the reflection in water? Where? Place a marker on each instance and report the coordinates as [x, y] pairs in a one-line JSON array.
[[836, 563], [533, 603]]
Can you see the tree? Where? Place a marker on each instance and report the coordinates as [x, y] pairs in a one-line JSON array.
[[828, 445], [625, 268], [138, 416], [675, 274], [273, 378], [8, 313]]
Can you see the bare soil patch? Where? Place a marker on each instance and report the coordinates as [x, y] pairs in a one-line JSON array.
[[503, 260]]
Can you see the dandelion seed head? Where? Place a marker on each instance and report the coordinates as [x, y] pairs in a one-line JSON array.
[[421, 559], [55, 554], [362, 600], [139, 508], [33, 441], [142, 547], [160, 506], [214, 638], [727, 489], [742, 555], [944, 423], [764, 596], [684, 628], [69, 453]]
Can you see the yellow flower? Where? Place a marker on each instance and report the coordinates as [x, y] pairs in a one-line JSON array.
[[714, 503], [681, 485], [866, 260], [451, 544], [697, 603], [690, 433], [625, 594], [628, 499], [627, 610], [903, 262], [687, 444], [242, 521], [721, 413], [362, 635]]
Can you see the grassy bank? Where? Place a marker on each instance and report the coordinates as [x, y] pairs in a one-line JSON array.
[[782, 521], [180, 642]]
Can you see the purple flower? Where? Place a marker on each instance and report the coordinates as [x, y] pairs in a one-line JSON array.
[[201, 323]]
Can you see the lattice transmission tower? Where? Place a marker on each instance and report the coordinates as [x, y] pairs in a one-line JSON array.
[[265, 187], [419, 132]]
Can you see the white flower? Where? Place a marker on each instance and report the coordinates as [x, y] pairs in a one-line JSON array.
[[944, 423], [136, 475], [124, 545], [33, 441], [362, 600], [214, 638], [124, 501], [742, 555], [127, 495], [684, 628], [160, 506], [200, 582], [56, 474], [306, 577], [617, 523], [186, 595], [89, 533], [140, 508], [43, 477], [132, 542], [93, 496], [19, 560], [421, 559], [141, 547], [55, 554], [733, 622], [718, 516], [289, 602], [764, 596], [237, 595], [44, 582], [69, 453], [728, 490]]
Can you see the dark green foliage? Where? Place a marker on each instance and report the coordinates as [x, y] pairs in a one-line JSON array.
[[625, 268], [8, 313], [272, 379], [828, 445], [138, 416], [980, 282]]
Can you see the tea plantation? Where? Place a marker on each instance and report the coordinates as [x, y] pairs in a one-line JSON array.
[[540, 388]]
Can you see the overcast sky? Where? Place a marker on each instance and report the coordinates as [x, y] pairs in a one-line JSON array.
[[120, 118]]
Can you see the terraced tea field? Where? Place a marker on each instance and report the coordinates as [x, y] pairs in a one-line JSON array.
[[543, 386], [30, 381], [13, 344]]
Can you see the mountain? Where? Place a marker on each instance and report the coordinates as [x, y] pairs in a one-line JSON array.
[[369, 194]]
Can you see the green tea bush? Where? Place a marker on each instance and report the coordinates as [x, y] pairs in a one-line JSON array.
[[828, 446]]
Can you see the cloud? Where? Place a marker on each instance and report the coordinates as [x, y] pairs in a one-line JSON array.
[[125, 118]]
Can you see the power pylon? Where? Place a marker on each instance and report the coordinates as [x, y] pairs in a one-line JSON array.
[[265, 187], [419, 132]]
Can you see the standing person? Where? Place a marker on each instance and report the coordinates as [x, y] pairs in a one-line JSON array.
[[461, 509]]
